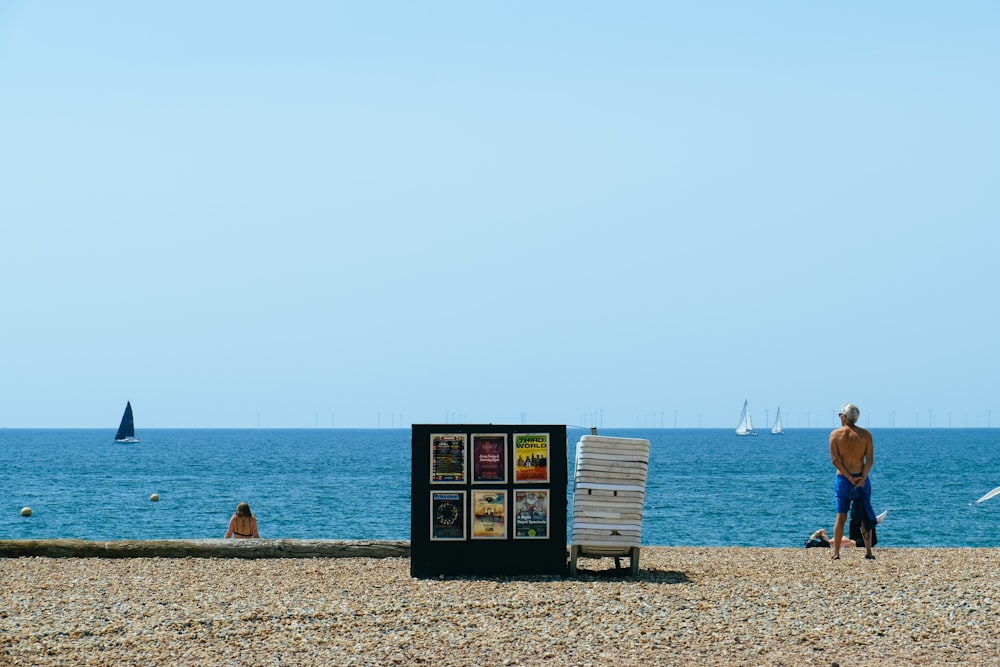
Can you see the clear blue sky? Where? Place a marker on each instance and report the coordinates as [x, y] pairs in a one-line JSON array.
[[380, 213]]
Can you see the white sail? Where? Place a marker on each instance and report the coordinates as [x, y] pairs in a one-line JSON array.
[[746, 422], [777, 428], [994, 492]]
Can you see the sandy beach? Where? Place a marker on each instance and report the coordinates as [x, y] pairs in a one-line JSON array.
[[738, 606]]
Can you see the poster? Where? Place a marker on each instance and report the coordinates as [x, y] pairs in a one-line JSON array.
[[489, 516], [531, 514], [531, 451], [447, 515], [489, 458], [447, 458]]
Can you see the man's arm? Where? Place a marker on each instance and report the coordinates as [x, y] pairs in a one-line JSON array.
[[869, 457], [835, 458]]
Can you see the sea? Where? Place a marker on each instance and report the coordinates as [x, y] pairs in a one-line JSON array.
[[706, 487]]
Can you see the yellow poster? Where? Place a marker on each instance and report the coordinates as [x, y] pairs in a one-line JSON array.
[[489, 515], [531, 457]]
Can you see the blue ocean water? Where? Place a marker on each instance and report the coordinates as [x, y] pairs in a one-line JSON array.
[[707, 487]]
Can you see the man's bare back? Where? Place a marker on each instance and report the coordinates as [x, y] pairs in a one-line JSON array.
[[851, 452]]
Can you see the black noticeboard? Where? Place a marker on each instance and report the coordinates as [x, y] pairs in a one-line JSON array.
[[488, 499]]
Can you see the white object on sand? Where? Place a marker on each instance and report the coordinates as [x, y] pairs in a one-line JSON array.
[[989, 495]]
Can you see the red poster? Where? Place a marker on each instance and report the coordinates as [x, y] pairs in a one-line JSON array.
[[489, 460]]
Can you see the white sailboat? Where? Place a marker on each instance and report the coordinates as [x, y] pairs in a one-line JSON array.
[[746, 423], [777, 428]]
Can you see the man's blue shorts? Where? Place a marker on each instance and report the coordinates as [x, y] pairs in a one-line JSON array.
[[844, 490]]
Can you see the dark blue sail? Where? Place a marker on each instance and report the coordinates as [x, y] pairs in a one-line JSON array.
[[127, 429]]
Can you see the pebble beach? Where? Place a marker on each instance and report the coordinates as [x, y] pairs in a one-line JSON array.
[[722, 606]]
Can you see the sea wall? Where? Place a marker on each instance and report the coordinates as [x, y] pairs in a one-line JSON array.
[[209, 548]]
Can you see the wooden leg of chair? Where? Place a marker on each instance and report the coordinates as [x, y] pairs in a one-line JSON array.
[[573, 552], [634, 561]]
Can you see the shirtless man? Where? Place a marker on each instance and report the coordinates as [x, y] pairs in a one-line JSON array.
[[852, 453]]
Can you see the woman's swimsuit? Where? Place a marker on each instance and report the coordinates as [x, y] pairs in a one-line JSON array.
[[817, 542]]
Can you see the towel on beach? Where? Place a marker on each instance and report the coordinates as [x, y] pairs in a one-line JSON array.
[[862, 517]]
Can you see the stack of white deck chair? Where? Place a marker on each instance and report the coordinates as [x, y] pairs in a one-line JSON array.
[[609, 489]]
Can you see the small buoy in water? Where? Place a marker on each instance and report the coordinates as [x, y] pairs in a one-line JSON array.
[[25, 511], [155, 497]]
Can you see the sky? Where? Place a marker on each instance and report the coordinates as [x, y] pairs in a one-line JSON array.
[[357, 215]]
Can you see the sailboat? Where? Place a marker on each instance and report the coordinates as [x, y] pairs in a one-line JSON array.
[[126, 431], [746, 423], [777, 429]]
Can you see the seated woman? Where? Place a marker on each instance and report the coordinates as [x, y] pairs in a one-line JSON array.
[[243, 525]]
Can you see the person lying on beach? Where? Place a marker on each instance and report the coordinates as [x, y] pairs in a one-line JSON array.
[[822, 539], [243, 525]]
